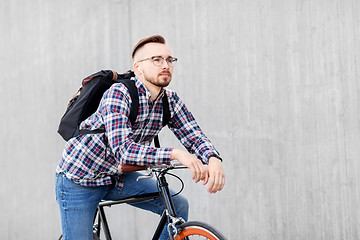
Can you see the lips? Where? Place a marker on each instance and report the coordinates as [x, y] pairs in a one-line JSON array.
[[165, 74]]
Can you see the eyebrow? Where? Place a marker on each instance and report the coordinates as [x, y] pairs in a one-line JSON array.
[[164, 57]]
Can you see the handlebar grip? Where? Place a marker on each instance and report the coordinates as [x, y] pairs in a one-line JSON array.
[[132, 168]]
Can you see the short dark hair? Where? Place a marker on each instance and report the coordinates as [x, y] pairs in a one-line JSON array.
[[151, 39]]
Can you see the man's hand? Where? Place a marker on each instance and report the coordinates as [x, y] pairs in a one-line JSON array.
[[197, 168], [216, 176], [213, 174]]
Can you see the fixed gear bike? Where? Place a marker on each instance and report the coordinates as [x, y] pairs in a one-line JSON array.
[[177, 227]]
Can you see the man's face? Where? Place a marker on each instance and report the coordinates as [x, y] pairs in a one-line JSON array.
[[159, 76]]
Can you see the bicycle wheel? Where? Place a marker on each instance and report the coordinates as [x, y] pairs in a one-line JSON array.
[[198, 230]]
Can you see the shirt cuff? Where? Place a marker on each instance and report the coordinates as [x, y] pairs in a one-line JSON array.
[[215, 155], [163, 156]]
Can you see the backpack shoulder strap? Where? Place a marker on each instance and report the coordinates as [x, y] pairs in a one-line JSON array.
[[134, 98], [166, 110]]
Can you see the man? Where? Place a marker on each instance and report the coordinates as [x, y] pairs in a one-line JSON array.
[[90, 168]]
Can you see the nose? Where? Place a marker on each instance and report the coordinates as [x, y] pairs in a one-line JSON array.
[[165, 64]]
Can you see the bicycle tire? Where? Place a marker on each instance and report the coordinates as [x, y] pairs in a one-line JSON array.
[[198, 230]]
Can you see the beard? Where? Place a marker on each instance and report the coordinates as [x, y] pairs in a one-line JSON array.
[[163, 79]]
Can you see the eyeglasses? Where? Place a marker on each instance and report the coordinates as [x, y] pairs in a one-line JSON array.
[[158, 60]]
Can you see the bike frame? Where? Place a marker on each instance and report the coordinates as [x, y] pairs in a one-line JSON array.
[[168, 215]]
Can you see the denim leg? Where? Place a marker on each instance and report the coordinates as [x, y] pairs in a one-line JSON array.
[[132, 187], [77, 207]]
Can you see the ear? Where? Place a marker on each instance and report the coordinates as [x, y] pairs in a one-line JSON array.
[[138, 71]]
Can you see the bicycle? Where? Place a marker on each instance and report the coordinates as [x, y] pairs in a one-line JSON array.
[[177, 227]]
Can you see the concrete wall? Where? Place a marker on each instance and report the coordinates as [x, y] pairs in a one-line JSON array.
[[273, 83]]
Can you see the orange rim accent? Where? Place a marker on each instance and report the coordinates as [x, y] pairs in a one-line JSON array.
[[194, 231]]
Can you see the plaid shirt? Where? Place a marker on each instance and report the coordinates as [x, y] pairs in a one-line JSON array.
[[92, 159]]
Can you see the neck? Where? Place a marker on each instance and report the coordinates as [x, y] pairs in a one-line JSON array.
[[153, 89]]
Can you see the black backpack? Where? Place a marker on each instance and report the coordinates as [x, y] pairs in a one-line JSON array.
[[87, 99]]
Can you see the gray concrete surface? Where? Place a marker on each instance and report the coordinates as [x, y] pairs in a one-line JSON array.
[[273, 83]]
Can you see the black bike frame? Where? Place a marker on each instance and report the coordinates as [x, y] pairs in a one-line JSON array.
[[165, 195], [100, 213], [168, 203]]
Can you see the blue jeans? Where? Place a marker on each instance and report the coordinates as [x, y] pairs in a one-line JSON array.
[[78, 203]]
